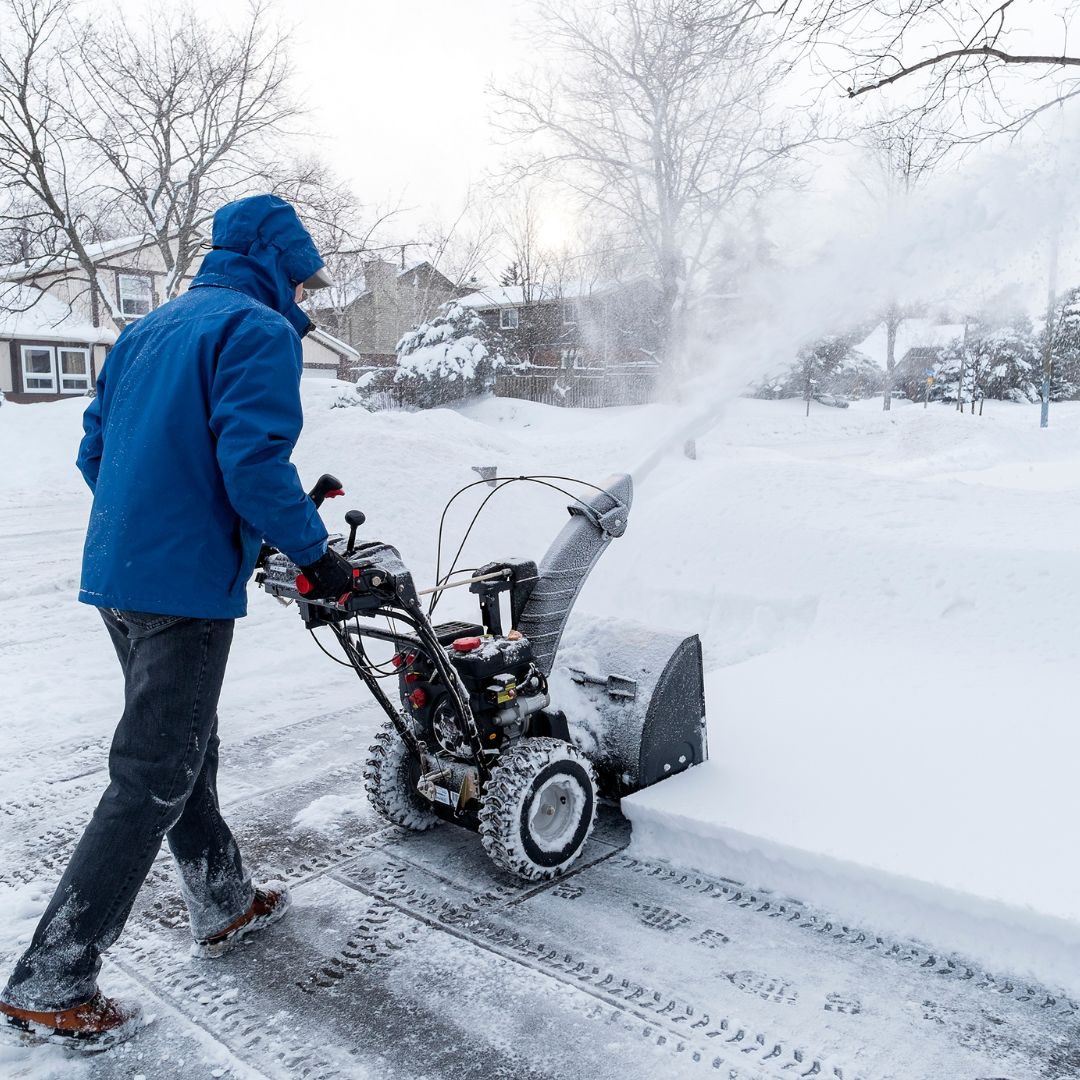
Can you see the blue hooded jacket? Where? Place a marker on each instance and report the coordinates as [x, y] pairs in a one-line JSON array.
[[187, 443]]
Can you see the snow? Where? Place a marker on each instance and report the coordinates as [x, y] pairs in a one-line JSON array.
[[26, 312], [493, 296], [899, 748], [888, 607], [910, 334]]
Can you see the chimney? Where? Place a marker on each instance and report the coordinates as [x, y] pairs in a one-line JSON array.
[[379, 275]]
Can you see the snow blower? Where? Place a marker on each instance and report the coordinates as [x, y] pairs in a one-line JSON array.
[[474, 737]]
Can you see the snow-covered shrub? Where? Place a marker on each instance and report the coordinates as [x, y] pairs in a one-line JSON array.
[[450, 357], [827, 366], [997, 362], [374, 389]]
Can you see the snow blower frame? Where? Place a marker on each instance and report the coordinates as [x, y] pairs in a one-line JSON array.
[[475, 739]]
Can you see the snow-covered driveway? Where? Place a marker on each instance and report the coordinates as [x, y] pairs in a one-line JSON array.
[[408, 956]]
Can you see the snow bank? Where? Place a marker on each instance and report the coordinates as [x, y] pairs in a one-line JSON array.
[[898, 744]]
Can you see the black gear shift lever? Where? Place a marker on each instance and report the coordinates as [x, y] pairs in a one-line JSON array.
[[354, 519]]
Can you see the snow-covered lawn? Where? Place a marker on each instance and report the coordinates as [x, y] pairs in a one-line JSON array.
[[888, 605]]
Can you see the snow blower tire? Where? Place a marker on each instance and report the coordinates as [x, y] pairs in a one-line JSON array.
[[539, 807], [390, 777]]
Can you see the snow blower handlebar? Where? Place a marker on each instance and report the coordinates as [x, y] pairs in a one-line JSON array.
[[327, 486]]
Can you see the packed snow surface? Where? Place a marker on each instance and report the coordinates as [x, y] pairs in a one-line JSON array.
[[887, 603]]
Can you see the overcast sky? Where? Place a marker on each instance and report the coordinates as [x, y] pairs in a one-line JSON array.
[[399, 106], [397, 91]]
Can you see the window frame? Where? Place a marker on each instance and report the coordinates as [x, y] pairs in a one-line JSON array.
[[27, 375], [514, 315], [86, 379], [55, 375], [130, 275], [572, 306]]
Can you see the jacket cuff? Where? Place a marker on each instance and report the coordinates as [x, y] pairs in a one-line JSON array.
[[308, 555]]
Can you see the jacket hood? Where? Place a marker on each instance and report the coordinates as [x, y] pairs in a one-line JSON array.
[[261, 248]]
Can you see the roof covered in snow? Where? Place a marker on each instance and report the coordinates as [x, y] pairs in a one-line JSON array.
[[334, 343], [26, 312], [45, 264], [910, 334], [493, 296]]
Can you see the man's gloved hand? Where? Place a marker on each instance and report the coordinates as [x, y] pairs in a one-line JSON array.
[[329, 577]]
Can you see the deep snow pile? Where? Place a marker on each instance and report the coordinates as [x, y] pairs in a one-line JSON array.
[[888, 605]]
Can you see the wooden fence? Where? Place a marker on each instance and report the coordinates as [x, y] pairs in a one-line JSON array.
[[588, 388]]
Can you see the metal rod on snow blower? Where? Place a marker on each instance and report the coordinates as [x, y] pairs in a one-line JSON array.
[[463, 581]]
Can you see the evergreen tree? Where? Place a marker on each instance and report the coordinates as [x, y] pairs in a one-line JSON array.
[[454, 355], [999, 361], [830, 365], [1065, 372]]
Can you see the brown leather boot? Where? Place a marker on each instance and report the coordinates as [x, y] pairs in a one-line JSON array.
[[269, 905], [96, 1024]]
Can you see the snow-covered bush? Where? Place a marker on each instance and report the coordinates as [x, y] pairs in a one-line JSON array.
[[997, 362], [827, 366], [374, 389], [452, 356]]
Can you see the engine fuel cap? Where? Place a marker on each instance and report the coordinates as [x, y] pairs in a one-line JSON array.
[[466, 644]]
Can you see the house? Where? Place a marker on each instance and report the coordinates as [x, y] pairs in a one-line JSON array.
[[919, 344], [56, 335], [47, 350], [614, 325], [376, 308], [581, 344]]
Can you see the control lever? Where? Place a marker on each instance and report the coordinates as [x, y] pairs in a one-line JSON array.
[[326, 487], [354, 519]]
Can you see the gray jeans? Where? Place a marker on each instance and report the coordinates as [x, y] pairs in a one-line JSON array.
[[163, 783]]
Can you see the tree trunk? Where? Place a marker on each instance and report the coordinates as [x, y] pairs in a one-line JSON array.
[[892, 324]]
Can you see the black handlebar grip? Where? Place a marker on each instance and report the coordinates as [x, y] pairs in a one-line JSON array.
[[326, 487]]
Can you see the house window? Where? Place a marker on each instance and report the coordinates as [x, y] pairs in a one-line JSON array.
[[74, 370], [51, 370], [136, 294], [569, 313], [39, 369], [508, 318]]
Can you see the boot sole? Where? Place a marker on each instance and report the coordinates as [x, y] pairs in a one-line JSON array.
[[17, 1033]]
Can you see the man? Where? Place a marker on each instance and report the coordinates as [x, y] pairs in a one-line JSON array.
[[186, 449]]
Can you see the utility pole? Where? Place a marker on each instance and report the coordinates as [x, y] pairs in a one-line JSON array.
[[963, 365], [1051, 301], [1048, 333]]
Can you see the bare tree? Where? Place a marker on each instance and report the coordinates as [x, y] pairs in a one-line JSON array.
[[46, 204], [519, 228], [904, 151], [181, 113], [148, 128], [460, 249], [657, 113], [947, 51]]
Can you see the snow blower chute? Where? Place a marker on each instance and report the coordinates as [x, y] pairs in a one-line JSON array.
[[475, 737]]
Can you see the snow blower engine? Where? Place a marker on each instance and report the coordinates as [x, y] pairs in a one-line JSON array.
[[472, 735]]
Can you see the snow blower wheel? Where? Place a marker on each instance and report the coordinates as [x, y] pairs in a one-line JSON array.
[[539, 808], [472, 736], [390, 778]]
